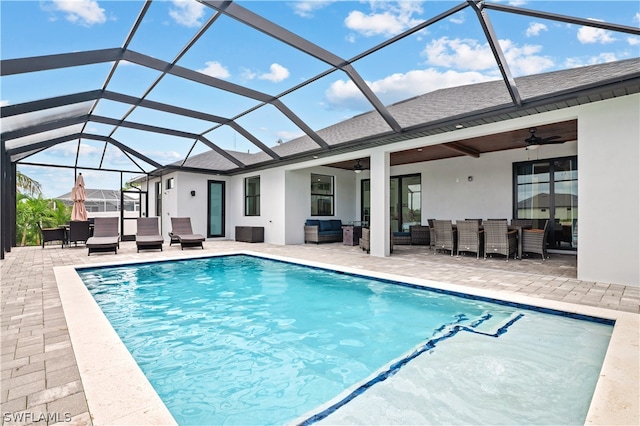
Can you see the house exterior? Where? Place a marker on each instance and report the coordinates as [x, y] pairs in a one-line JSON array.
[[607, 147]]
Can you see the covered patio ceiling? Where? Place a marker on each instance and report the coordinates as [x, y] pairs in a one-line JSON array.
[[474, 147], [175, 106]]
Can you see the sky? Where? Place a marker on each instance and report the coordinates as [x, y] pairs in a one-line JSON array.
[[451, 52]]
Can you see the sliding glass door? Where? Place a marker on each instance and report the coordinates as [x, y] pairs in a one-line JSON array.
[[405, 201], [548, 190]]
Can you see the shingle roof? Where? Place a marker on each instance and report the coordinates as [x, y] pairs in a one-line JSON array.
[[550, 90]]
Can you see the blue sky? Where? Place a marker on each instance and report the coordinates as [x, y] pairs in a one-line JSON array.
[[449, 53]]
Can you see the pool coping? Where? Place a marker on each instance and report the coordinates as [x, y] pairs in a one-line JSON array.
[[101, 355]]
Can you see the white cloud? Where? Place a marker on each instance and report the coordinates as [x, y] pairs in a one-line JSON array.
[[633, 41], [345, 95], [277, 73], [458, 18], [535, 28], [470, 54], [187, 12], [215, 69], [4, 102], [393, 18], [599, 59], [83, 12], [247, 74], [636, 17], [590, 35], [459, 53], [307, 8]]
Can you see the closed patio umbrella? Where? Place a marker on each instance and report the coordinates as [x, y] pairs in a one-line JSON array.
[[78, 212]]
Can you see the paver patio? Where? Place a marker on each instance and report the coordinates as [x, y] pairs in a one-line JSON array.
[[41, 383]]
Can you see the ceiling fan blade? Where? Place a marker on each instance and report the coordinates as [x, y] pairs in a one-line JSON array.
[[550, 138]]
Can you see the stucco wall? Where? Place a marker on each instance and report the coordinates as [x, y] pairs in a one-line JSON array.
[[609, 191], [608, 181]]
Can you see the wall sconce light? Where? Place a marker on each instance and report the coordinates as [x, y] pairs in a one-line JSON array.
[[193, 193]]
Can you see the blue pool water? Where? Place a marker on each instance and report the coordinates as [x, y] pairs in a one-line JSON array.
[[246, 340]]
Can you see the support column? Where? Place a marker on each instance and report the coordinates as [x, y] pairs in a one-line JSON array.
[[379, 223]]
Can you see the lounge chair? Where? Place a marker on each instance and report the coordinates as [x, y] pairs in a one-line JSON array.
[[147, 236], [105, 236], [181, 230]]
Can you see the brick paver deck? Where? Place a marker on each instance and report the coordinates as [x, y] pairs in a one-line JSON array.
[[41, 383]]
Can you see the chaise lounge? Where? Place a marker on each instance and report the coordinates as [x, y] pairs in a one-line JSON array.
[[182, 232], [105, 236], [147, 236]]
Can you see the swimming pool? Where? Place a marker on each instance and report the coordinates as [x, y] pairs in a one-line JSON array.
[[298, 384]]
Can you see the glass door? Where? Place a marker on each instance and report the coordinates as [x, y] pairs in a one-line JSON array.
[[132, 204], [405, 201], [548, 190], [215, 216]]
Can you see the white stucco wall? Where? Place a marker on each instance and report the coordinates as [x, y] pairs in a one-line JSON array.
[[609, 191], [608, 181], [448, 194]]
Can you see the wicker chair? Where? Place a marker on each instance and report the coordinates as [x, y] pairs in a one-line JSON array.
[[445, 236], [525, 223], [470, 237], [535, 240], [78, 231], [365, 240], [499, 240], [420, 235], [51, 234], [432, 234]]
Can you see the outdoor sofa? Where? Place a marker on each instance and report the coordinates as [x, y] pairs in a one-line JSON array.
[[322, 231]]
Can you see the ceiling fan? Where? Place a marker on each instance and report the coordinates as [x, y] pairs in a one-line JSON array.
[[534, 141]]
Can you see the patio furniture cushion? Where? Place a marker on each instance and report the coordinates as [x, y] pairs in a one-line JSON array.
[[312, 222]]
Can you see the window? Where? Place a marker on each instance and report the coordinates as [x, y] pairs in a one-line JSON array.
[[170, 183], [252, 196], [158, 199], [321, 195]]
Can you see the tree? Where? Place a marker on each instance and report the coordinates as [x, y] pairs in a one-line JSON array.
[[31, 208], [27, 186]]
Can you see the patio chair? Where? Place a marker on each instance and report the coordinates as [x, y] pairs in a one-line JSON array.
[[445, 236], [365, 240], [470, 237], [432, 234], [147, 235], [105, 236], [78, 231], [498, 239], [525, 223], [181, 230], [51, 234], [420, 235], [535, 240]]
